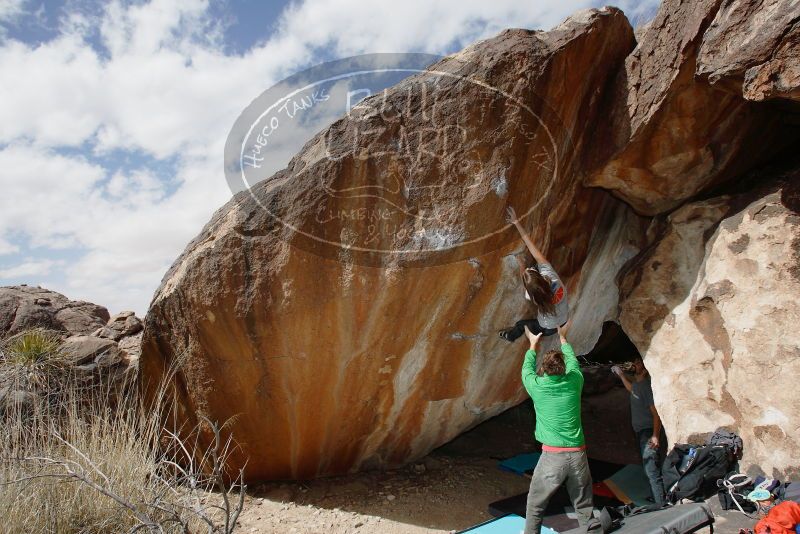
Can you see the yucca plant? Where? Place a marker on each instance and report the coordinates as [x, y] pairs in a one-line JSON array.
[[31, 348], [33, 366]]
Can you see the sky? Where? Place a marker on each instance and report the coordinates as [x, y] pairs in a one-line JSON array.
[[114, 115]]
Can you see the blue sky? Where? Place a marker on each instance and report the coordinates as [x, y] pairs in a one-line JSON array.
[[113, 115]]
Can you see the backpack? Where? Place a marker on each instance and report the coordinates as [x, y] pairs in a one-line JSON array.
[[732, 494], [691, 472], [728, 439]]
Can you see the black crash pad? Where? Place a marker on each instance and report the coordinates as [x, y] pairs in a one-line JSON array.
[[679, 519]]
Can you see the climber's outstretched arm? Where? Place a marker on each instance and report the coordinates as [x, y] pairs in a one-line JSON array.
[[537, 254], [521, 266]]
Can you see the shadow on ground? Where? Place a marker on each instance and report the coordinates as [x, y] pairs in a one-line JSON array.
[[446, 491]]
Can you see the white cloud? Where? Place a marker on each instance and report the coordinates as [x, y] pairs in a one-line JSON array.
[[355, 26], [29, 268], [46, 196], [11, 9], [638, 12], [158, 83], [6, 247], [130, 228], [146, 28]]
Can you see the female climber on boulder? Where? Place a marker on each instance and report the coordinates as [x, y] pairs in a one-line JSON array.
[[543, 287]]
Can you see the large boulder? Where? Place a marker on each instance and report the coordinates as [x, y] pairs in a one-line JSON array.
[[754, 48], [671, 135], [25, 307], [713, 307], [780, 76], [331, 358]]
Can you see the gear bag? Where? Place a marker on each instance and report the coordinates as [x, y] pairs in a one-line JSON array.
[[691, 472], [732, 493], [728, 439]]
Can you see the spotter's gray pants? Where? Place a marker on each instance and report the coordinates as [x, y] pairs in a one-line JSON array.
[[554, 469]]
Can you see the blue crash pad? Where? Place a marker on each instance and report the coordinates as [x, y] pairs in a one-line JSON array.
[[521, 462], [508, 524], [630, 484]]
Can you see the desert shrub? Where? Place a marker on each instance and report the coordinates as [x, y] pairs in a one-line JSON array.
[[32, 365], [32, 347], [77, 458]]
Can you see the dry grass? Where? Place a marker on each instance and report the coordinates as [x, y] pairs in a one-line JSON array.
[[76, 457]]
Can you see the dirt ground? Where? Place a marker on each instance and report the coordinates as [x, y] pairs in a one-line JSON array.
[[447, 491], [441, 494]]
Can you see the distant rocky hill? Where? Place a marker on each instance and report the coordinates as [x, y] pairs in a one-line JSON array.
[[92, 339], [658, 174]]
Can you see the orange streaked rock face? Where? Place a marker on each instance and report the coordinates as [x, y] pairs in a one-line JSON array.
[[345, 314]]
